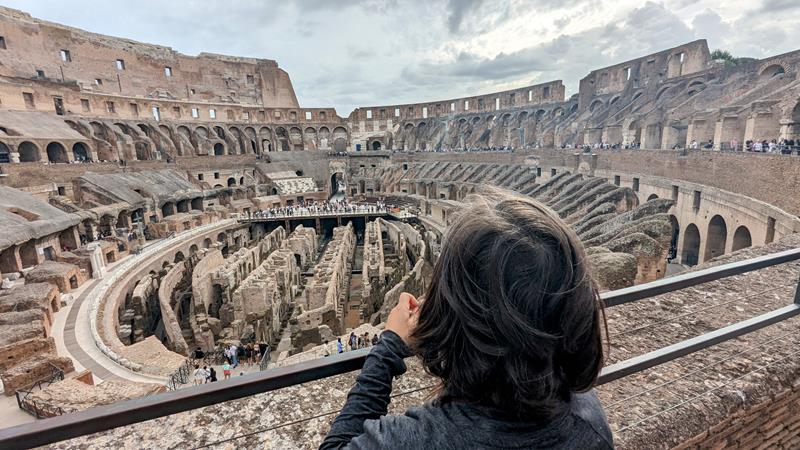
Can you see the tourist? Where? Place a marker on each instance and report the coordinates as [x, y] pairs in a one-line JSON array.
[[325, 351], [512, 327], [352, 342], [226, 370], [339, 346], [360, 341], [248, 354], [199, 375], [233, 355], [240, 355], [198, 354], [366, 340], [212, 374], [375, 339]]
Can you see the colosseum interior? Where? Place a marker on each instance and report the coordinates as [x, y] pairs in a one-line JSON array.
[[155, 205]]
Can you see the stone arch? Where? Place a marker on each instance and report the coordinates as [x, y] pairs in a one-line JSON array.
[[5, 153], [296, 138], [184, 205], [207, 243], [690, 255], [310, 137], [219, 149], [339, 139], [219, 131], [557, 112], [772, 70], [614, 100], [167, 209], [796, 113], [716, 238], [636, 97], [337, 182], [80, 152], [283, 139], [202, 132], [193, 249], [239, 139], [179, 257], [56, 153], [676, 232], [741, 238], [595, 105], [634, 132], [266, 145], [662, 91], [652, 197], [694, 87], [123, 219], [540, 114], [197, 203], [376, 145], [675, 65], [184, 131], [231, 182]]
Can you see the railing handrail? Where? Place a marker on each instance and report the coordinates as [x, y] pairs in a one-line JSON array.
[[142, 409], [689, 279]]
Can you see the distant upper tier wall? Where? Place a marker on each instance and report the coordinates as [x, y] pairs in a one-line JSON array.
[[99, 64]]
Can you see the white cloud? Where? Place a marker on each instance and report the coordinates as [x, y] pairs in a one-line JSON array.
[[348, 53]]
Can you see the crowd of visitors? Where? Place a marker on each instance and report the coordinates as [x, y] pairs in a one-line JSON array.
[[234, 355], [783, 146], [354, 342], [314, 208]]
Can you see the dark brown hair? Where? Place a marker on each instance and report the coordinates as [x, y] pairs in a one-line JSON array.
[[512, 319]]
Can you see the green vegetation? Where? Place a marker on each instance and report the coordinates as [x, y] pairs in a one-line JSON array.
[[728, 58]]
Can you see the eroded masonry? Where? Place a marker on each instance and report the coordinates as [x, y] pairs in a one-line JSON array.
[[154, 205]]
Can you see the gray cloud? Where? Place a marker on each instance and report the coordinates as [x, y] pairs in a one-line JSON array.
[[774, 6], [457, 10]]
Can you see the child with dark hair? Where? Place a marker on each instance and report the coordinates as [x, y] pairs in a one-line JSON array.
[[511, 325]]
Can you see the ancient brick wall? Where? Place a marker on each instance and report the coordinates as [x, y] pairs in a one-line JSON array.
[[734, 172], [91, 60], [376, 116], [773, 423]]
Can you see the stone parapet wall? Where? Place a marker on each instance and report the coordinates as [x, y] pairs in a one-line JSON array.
[[773, 423]]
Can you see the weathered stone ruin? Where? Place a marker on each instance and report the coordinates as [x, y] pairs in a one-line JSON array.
[[184, 202], [322, 309]]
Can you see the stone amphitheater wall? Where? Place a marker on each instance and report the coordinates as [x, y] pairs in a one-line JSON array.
[[107, 298]]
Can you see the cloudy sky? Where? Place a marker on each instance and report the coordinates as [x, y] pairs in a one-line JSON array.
[[346, 53]]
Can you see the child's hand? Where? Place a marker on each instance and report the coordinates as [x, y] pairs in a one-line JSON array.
[[403, 317]]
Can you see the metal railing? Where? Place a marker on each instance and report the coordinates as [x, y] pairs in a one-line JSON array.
[[38, 410], [262, 365], [138, 410], [180, 376]]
